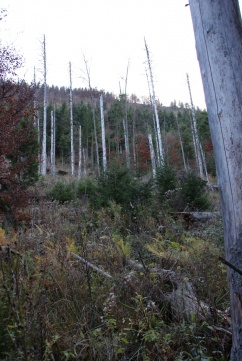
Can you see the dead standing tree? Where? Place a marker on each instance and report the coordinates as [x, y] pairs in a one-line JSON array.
[[161, 151], [93, 114], [218, 34], [125, 122], [103, 135], [44, 155], [195, 136], [71, 125]]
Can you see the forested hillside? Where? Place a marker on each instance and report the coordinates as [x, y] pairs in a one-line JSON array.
[[175, 121]]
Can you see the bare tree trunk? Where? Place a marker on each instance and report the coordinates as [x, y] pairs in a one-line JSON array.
[[93, 117], [181, 144], [44, 156], [71, 125], [155, 128], [197, 146], [204, 163], [103, 135], [96, 141], [126, 129], [194, 141], [152, 155], [218, 34], [161, 152]]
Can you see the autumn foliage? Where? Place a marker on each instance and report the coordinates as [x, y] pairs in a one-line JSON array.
[[18, 145], [143, 152]]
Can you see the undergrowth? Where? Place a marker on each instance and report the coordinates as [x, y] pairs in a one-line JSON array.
[[54, 306]]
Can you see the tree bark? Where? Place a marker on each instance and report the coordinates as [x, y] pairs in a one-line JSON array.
[[103, 135], [196, 141], [161, 151], [44, 156], [152, 155], [93, 116], [218, 35], [71, 125], [204, 163], [126, 129], [157, 162]]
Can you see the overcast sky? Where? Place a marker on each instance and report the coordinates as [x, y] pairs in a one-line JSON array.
[[110, 33]]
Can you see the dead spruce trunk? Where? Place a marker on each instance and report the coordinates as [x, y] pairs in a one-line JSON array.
[[218, 35]]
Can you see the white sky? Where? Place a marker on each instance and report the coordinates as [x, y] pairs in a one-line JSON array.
[[109, 33]]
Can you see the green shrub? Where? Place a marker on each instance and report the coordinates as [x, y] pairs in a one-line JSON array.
[[193, 192], [166, 180], [188, 192], [62, 192], [86, 187], [118, 184]]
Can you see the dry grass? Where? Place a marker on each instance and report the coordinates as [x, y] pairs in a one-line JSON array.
[[54, 307]]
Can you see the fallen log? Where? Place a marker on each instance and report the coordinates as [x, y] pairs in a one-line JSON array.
[[183, 299], [91, 265], [191, 217]]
